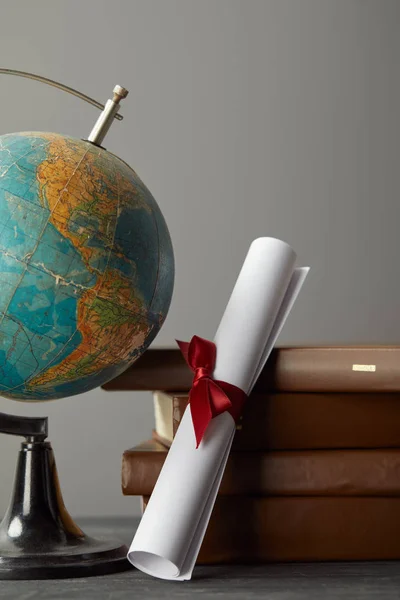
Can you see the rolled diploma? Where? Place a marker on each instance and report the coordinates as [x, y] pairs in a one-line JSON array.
[[172, 528]]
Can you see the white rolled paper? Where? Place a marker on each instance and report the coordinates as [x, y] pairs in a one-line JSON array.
[[169, 536]]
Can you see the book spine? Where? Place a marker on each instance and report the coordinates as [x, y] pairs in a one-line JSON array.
[[179, 404], [302, 473], [290, 421], [319, 369], [252, 530]]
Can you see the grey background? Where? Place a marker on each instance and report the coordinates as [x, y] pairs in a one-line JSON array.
[[245, 118]]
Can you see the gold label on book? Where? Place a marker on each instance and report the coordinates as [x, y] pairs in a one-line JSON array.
[[369, 368]]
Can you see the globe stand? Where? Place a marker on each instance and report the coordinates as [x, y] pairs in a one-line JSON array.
[[38, 538]]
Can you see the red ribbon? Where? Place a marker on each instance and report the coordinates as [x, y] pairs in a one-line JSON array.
[[208, 398]]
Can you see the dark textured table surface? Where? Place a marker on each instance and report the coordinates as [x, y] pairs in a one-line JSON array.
[[355, 581]]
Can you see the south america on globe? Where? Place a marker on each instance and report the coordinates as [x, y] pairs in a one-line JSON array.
[[86, 266]]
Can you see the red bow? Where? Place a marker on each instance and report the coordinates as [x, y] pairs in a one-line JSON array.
[[208, 398]]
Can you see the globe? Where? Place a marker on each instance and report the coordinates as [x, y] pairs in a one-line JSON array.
[[86, 266]]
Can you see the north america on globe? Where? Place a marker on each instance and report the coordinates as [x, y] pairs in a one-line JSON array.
[[86, 266]]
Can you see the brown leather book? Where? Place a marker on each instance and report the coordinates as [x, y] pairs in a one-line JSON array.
[[297, 473], [307, 369], [290, 421], [244, 529]]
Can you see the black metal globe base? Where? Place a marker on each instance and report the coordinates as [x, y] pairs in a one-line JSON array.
[[38, 537]]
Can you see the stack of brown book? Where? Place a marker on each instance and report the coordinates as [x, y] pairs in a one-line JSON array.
[[314, 472]]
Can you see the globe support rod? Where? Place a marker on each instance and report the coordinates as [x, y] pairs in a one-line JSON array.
[[60, 86], [106, 117]]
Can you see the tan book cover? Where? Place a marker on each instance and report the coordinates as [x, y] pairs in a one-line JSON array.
[[298, 369], [301, 421], [249, 529], [298, 473]]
